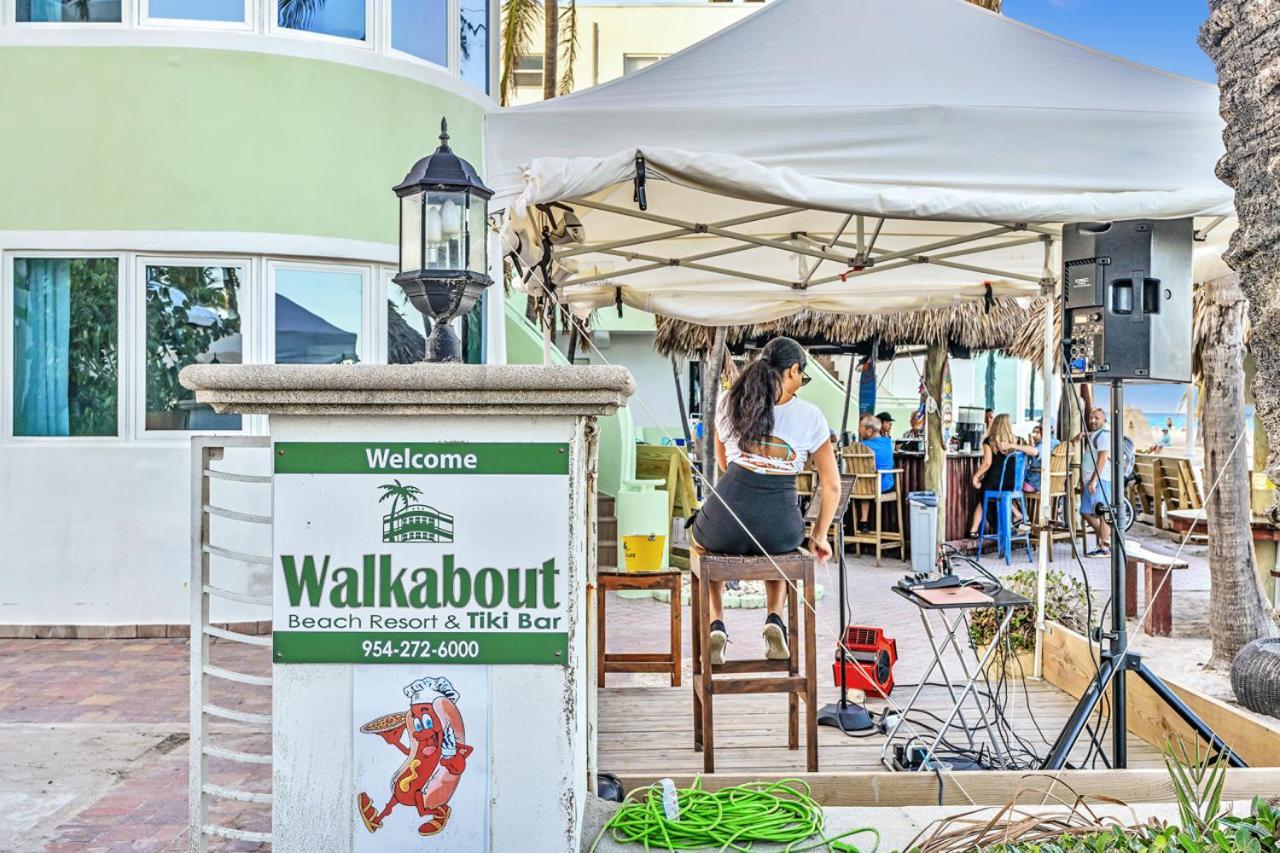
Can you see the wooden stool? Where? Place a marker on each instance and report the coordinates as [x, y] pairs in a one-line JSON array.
[[638, 661], [706, 569], [1157, 587]]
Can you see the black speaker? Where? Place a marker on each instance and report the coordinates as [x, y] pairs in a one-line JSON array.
[[1126, 297]]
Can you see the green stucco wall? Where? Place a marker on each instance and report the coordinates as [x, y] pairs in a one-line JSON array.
[[211, 140]]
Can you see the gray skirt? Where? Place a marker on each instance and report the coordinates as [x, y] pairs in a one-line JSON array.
[[767, 504]]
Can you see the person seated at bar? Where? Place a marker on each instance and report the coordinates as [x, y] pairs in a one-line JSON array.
[[886, 425], [764, 434], [992, 474], [870, 435], [1031, 483], [916, 432]]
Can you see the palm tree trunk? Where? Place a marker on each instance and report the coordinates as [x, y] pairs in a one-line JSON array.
[[1237, 609], [935, 460], [1240, 38], [550, 49]]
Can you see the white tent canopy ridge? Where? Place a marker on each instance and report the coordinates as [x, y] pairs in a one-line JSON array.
[[931, 159]]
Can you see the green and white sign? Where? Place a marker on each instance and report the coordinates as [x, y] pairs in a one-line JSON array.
[[420, 552]]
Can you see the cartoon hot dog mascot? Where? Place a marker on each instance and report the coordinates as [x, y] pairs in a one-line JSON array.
[[435, 756]]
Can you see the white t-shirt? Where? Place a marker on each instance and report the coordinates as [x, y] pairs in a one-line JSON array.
[[799, 428]]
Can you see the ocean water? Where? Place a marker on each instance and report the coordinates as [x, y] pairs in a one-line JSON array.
[[1159, 420]]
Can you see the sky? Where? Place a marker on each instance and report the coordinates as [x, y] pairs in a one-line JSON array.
[[1160, 33]]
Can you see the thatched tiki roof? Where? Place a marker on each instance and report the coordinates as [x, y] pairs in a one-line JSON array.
[[969, 324]]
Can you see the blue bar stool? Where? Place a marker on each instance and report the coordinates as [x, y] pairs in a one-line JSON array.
[[1004, 510]]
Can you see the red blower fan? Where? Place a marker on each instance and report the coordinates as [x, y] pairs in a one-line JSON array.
[[868, 664]]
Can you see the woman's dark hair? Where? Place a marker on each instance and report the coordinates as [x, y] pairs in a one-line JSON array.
[[752, 397]]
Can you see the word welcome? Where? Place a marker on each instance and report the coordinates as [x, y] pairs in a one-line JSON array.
[[378, 584], [385, 457]]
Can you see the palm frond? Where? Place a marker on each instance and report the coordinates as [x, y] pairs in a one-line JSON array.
[[298, 14], [569, 44], [518, 19]]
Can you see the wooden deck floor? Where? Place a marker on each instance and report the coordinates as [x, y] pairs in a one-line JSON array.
[[649, 730]]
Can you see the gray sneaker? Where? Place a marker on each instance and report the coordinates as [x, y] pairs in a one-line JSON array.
[[718, 638], [775, 638]]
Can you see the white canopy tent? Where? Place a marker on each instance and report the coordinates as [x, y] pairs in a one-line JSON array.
[[850, 156]]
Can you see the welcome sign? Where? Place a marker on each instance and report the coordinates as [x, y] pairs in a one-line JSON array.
[[411, 552]]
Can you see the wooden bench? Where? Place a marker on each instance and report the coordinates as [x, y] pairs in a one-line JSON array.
[[727, 678], [1157, 587], [638, 661]]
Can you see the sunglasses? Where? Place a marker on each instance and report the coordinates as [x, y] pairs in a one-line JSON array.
[[805, 378]]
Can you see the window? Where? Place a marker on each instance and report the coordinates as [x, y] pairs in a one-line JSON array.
[[421, 28], [192, 317], [473, 44], [633, 62], [341, 18], [217, 11], [69, 11], [528, 72], [318, 315], [65, 346]]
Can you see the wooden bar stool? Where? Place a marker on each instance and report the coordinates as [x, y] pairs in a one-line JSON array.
[[638, 661], [860, 462], [710, 681]]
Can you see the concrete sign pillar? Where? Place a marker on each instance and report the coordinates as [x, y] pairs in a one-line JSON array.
[[430, 564]]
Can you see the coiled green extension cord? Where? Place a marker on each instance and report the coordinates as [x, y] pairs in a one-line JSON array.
[[732, 818]]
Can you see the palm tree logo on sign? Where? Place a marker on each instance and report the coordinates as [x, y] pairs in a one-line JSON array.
[[409, 521]]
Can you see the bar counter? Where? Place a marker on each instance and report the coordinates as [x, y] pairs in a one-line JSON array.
[[961, 496]]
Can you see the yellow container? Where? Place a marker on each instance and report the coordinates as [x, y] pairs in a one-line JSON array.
[[644, 553], [643, 526]]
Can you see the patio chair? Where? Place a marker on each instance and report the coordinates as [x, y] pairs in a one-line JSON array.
[[1004, 500], [860, 462], [1062, 514]]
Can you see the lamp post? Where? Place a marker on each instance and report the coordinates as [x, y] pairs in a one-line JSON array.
[[443, 247]]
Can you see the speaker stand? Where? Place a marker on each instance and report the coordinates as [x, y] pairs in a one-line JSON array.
[[1117, 661], [844, 715]]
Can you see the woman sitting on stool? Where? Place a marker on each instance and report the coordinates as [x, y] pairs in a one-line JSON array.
[[992, 474], [763, 435]]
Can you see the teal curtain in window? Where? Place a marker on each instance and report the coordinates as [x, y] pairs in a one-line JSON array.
[[42, 320]]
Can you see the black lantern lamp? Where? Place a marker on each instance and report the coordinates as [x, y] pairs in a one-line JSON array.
[[444, 260]]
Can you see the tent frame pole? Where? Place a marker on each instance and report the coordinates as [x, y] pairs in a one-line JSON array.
[[1048, 288]]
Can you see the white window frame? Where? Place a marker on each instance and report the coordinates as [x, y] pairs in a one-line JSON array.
[[128, 18], [8, 259], [372, 30], [366, 349], [652, 54], [452, 28], [249, 337], [249, 24]]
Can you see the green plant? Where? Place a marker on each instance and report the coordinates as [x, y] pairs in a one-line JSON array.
[[1065, 602]]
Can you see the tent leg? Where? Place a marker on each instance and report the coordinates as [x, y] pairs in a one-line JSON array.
[[712, 364], [1048, 361]]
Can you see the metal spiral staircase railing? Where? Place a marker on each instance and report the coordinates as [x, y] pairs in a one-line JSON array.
[[216, 723]]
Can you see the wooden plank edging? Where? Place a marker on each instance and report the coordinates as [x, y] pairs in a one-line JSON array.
[[983, 788], [1068, 666]]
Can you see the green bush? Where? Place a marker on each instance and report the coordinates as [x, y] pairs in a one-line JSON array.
[[1064, 602]]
